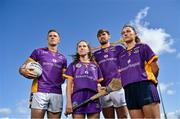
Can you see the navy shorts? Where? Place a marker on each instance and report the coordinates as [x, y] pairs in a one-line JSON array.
[[141, 93]]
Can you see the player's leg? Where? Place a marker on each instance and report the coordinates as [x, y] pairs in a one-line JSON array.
[[122, 112], [55, 105], [107, 107], [151, 107], [93, 115], [152, 110], [108, 112], [53, 115], [37, 113], [119, 102], [136, 113], [78, 116]]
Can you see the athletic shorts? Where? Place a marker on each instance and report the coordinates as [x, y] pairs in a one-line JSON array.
[[48, 101], [115, 99], [140, 94], [91, 107]]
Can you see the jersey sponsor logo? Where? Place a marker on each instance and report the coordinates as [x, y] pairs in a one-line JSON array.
[[85, 76], [44, 52], [107, 59], [129, 66], [51, 64]]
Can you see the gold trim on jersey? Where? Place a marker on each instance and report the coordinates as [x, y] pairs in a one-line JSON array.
[[67, 76], [152, 59], [31, 59], [148, 69], [34, 87]]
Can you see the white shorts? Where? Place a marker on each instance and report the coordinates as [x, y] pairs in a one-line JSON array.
[[48, 101], [115, 99]]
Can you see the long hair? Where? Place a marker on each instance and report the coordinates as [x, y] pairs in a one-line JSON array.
[[137, 39], [76, 57]]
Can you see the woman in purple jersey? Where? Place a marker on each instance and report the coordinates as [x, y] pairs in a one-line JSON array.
[[83, 76], [139, 70]]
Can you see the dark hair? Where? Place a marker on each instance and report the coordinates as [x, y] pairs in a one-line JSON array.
[[77, 56], [53, 30], [100, 31], [137, 39]]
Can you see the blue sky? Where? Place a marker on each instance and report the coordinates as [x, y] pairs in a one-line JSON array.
[[24, 25]]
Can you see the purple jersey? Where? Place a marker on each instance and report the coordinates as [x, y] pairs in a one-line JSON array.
[[132, 63], [107, 60], [52, 64], [84, 76]]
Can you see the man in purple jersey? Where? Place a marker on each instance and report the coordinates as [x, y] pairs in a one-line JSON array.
[[46, 89], [83, 75], [106, 57], [139, 70]]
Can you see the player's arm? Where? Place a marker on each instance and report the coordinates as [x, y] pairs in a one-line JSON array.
[[27, 73], [63, 72], [69, 91], [155, 68]]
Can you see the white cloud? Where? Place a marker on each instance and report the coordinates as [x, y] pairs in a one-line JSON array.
[[5, 111], [5, 118], [166, 88], [172, 115], [170, 92], [22, 110], [158, 39], [22, 106]]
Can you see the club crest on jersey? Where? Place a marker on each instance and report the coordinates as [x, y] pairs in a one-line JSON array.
[[105, 56], [54, 60], [78, 65], [136, 51], [129, 61], [60, 57]]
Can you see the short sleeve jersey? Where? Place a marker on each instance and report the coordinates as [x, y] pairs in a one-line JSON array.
[[84, 76], [107, 61], [52, 64], [132, 64]]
